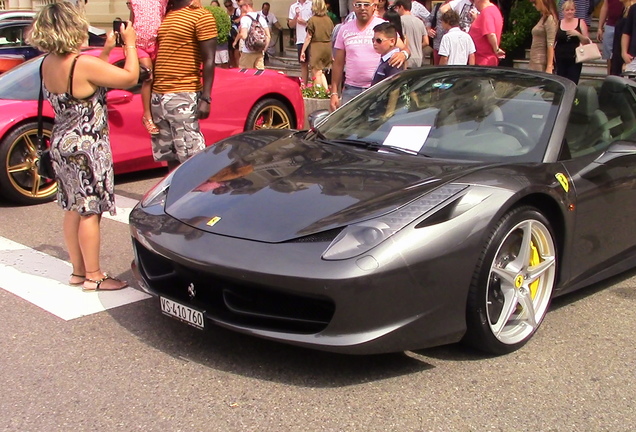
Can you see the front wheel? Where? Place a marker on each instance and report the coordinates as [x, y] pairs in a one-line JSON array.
[[269, 114], [19, 179], [513, 282]]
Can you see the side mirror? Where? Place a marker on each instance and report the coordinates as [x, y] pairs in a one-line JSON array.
[[317, 117]]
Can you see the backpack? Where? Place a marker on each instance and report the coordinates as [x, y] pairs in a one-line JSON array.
[[256, 37]]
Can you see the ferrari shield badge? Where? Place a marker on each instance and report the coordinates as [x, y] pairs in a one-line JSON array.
[[563, 180], [213, 221]]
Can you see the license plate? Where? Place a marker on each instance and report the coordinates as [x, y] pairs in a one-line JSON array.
[[182, 313]]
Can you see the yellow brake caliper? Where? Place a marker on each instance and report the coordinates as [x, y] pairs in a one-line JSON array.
[[534, 260]]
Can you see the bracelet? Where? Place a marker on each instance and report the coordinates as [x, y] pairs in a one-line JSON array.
[[333, 94], [205, 99], [131, 46], [406, 54]]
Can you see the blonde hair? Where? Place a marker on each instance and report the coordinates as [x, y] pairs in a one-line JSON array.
[[58, 28], [568, 4], [318, 7]]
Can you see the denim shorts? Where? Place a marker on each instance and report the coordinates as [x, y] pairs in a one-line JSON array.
[[608, 40], [349, 92]]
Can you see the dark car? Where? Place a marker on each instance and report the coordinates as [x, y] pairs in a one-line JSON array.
[[13, 34], [442, 205]]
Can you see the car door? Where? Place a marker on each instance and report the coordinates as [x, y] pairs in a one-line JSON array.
[[602, 167]]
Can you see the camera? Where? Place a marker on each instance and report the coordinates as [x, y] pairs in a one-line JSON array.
[[117, 28]]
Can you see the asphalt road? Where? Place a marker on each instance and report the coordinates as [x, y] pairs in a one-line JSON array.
[[130, 368]]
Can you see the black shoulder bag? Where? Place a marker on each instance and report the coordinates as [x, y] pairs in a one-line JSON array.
[[434, 19], [44, 163]]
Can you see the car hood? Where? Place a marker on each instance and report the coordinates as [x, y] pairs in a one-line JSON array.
[[275, 186]]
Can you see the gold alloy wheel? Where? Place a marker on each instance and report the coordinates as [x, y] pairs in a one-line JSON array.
[[272, 117], [21, 167]]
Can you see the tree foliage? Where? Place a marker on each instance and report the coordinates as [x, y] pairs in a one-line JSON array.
[[223, 23], [522, 18]]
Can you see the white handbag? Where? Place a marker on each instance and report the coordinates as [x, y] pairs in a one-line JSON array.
[[587, 52]]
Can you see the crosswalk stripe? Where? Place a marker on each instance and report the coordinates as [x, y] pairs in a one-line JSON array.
[[42, 280]]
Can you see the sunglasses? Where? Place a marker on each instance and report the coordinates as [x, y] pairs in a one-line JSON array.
[[379, 40], [362, 5]]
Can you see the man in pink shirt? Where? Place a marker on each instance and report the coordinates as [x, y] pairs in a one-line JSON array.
[[354, 47], [486, 33]]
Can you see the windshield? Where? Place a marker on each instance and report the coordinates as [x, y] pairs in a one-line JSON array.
[[22, 82], [454, 113]]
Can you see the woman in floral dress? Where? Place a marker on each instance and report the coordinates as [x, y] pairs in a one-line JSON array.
[[146, 16], [80, 148]]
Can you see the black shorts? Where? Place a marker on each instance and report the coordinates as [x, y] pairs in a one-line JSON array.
[[299, 47]]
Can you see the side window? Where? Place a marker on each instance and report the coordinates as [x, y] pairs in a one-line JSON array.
[[617, 99], [10, 37], [589, 129]]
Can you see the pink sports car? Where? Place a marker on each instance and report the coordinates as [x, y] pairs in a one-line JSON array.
[[242, 100]]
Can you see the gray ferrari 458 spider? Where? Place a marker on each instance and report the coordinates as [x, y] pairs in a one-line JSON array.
[[441, 205]]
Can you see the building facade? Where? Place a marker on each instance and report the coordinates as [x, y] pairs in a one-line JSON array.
[[101, 13]]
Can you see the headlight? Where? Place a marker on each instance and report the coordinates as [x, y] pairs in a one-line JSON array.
[[361, 237], [157, 195]]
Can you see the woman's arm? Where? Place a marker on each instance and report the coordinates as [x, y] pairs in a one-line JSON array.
[[101, 73], [550, 34], [305, 45], [110, 43], [585, 33]]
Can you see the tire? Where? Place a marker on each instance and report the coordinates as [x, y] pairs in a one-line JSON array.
[[512, 284], [269, 114], [19, 180]]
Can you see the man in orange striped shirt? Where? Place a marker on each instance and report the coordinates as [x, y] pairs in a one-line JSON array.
[[186, 40]]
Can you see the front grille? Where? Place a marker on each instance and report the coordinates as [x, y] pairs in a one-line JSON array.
[[238, 303]]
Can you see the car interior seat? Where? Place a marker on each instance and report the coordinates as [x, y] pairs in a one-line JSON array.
[[471, 105], [616, 100], [587, 124]]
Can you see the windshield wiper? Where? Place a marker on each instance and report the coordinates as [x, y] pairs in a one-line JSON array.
[[372, 145]]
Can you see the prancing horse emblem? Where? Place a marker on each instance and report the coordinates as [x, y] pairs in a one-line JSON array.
[[191, 291]]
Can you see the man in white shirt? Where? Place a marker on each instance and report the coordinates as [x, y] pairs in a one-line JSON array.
[[299, 14], [251, 59]]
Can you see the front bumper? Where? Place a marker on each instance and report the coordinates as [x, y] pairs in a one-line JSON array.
[[392, 300]]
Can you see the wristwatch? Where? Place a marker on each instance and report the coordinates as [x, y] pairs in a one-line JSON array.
[[406, 54], [205, 99]]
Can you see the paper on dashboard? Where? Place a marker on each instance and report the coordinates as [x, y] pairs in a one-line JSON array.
[[411, 138]]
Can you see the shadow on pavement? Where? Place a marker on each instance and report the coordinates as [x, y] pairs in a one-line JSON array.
[[236, 353]]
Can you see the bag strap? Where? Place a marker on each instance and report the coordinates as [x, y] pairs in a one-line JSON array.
[[40, 104], [434, 19]]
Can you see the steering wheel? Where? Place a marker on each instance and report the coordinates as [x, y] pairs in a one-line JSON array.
[[517, 132]]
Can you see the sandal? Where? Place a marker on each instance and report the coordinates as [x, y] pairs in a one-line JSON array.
[[150, 126], [98, 284], [73, 275]]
